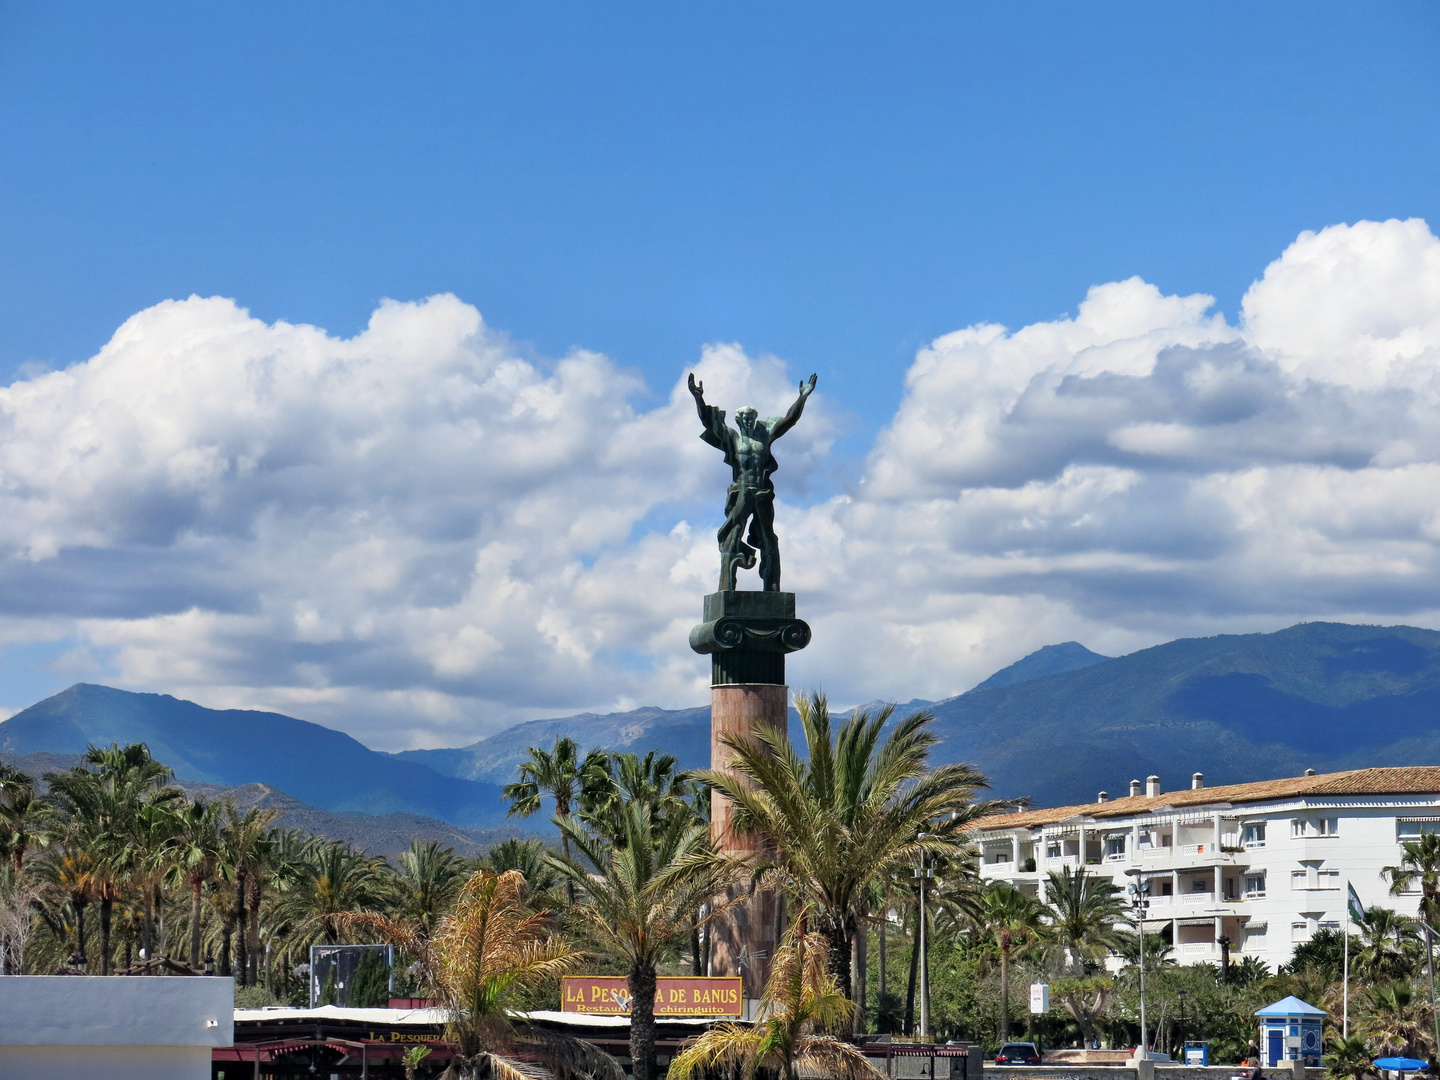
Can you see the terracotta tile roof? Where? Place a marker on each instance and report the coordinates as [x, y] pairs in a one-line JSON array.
[[1401, 780]]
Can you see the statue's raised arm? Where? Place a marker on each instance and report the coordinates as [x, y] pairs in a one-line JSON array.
[[715, 432], [786, 422]]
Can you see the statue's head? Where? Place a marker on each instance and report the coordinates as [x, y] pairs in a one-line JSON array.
[[745, 419]]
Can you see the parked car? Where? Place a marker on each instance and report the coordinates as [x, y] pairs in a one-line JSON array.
[[1018, 1054]]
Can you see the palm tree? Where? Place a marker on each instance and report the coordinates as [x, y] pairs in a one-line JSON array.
[[280, 864], [1419, 865], [430, 876], [1011, 919], [1083, 910], [854, 813], [489, 951], [800, 1008], [1394, 1021], [148, 857], [527, 856], [70, 871], [330, 880], [654, 781], [247, 847], [560, 773], [196, 852], [26, 819], [103, 797], [643, 888], [1349, 1059], [1389, 946]]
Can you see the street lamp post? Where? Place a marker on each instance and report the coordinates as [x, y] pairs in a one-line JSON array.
[[920, 876], [1140, 897]]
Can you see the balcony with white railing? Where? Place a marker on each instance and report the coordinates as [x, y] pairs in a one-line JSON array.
[[1197, 950], [1198, 899]]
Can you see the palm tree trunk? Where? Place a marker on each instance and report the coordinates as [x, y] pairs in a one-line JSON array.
[[195, 886], [80, 930], [106, 907], [255, 888], [1004, 993], [641, 983], [147, 930], [839, 960], [242, 958], [225, 935], [565, 848], [697, 962]]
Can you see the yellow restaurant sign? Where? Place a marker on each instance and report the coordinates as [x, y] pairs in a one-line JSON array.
[[609, 995]]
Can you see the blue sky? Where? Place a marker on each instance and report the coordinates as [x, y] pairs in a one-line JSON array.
[[485, 501], [833, 183]]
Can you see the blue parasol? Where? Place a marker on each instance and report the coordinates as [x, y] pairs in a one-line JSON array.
[[1400, 1064]]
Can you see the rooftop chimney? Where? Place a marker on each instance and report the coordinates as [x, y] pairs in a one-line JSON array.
[[1197, 781], [1309, 772], [1104, 796], [1134, 788], [1152, 786]]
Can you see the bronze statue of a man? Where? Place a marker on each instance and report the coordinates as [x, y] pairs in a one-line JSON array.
[[752, 495]]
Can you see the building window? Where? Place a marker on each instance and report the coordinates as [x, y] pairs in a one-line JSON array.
[[1325, 826], [1200, 884], [1254, 886], [1252, 834], [1330, 924], [1329, 879], [1299, 879], [1413, 830], [1052, 849], [1255, 937], [1115, 847], [1300, 931]]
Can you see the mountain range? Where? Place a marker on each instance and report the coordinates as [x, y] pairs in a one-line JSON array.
[[232, 747], [1057, 726]]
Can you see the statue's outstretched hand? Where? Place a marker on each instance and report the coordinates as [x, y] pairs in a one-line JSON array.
[[806, 389], [697, 388]]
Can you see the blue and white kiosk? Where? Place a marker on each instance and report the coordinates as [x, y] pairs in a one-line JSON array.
[[1291, 1029]]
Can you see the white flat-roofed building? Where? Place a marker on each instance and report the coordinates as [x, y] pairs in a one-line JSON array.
[[1262, 866], [137, 1027]]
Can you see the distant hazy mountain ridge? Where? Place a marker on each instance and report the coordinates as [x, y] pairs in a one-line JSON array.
[[682, 732], [231, 747], [1059, 725]]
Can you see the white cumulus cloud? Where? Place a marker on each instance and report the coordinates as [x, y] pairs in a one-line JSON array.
[[418, 534]]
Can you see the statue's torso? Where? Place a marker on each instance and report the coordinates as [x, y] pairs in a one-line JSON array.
[[752, 458]]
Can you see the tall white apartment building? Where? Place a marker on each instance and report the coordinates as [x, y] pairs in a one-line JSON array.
[[1256, 867]]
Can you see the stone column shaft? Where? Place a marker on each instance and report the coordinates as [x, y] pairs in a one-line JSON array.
[[747, 635]]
